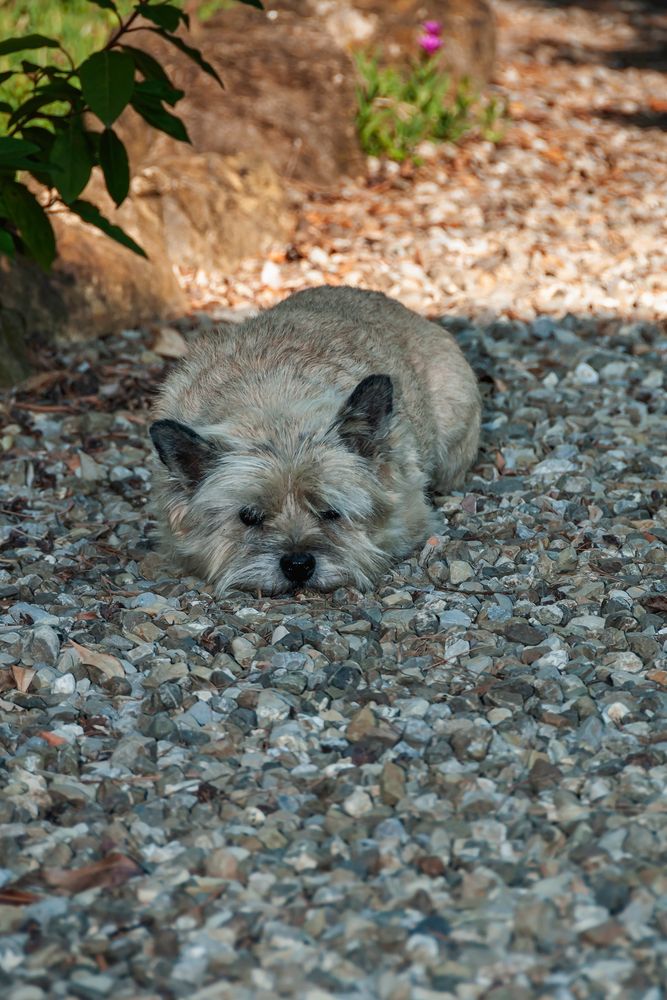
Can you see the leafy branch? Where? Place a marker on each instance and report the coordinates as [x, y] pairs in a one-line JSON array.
[[47, 135]]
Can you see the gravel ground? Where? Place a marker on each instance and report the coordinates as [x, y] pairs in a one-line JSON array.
[[451, 787]]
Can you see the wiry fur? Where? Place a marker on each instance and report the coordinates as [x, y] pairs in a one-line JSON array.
[[269, 398]]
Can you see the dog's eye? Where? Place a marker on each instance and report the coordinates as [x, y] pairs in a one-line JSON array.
[[251, 516], [330, 514]]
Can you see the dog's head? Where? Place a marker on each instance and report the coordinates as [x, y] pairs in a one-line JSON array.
[[287, 497]]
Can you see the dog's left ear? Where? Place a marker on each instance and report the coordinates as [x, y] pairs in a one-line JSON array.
[[363, 420], [185, 453]]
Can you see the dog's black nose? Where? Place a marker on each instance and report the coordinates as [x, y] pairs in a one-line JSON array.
[[298, 566]]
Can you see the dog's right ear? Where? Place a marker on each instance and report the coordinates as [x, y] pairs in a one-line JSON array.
[[186, 454]]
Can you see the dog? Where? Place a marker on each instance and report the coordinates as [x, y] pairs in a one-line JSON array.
[[305, 446]]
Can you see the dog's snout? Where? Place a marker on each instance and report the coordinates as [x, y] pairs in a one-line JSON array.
[[298, 566]]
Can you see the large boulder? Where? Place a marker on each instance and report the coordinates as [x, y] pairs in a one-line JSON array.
[[95, 287], [14, 363], [288, 100], [193, 210], [213, 210]]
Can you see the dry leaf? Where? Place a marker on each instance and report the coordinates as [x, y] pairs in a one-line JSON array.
[[169, 343], [51, 738], [656, 602], [11, 896], [43, 380], [23, 677], [6, 680], [109, 665], [554, 154], [107, 873]]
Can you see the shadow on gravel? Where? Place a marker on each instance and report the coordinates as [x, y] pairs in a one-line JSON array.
[[636, 119], [648, 18]]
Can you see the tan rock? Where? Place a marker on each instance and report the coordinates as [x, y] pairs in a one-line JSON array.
[[365, 725], [392, 783], [288, 98], [105, 287], [214, 210]]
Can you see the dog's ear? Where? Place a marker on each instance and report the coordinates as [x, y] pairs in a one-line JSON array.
[[185, 453], [363, 420]]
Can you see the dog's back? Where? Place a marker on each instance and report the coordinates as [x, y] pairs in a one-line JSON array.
[[323, 341]]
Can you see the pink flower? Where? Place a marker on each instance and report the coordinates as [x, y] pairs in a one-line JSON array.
[[432, 27], [430, 44]]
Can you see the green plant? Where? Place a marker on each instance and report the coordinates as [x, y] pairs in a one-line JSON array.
[[52, 107], [399, 108]]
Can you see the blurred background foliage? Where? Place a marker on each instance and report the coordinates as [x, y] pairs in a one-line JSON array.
[[81, 28]]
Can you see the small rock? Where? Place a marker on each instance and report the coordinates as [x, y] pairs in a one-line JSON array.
[[460, 571], [616, 711], [392, 784], [271, 275], [89, 470], [243, 651], [526, 634], [44, 645], [585, 375], [169, 343], [64, 684], [624, 660], [271, 707], [358, 803]]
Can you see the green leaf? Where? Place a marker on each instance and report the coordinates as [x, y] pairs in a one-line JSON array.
[[147, 66], [42, 137], [6, 242], [115, 165], [5, 108], [190, 52], [6, 75], [164, 14], [70, 152], [39, 167], [104, 4], [27, 42], [107, 81], [31, 221], [92, 215], [42, 97], [14, 154], [152, 111], [158, 91], [11, 148]]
